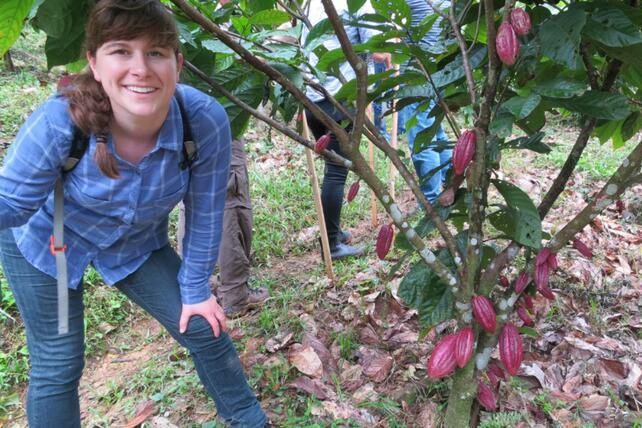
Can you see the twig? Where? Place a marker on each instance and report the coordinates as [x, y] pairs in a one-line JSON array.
[[292, 13], [590, 69]]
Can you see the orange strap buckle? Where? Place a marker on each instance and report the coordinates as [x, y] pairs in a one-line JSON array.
[[52, 246]]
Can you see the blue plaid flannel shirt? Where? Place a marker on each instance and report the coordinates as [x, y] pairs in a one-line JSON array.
[[116, 224]]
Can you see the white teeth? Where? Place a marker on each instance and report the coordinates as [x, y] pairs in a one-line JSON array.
[[141, 89]]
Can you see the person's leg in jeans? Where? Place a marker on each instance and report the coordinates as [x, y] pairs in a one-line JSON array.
[[56, 360], [154, 288], [428, 159]]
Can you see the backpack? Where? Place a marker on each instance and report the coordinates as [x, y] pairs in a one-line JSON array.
[[57, 246]]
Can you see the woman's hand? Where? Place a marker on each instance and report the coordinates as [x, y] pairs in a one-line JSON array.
[[210, 310]]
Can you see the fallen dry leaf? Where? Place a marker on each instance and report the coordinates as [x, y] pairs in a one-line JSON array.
[[594, 403], [143, 412], [311, 386], [306, 360], [376, 364]]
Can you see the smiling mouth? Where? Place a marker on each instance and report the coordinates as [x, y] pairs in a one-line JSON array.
[[141, 89]]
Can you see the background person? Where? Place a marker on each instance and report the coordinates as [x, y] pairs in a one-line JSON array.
[[428, 159], [334, 177], [117, 202]]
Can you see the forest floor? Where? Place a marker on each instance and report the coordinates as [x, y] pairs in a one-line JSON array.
[[350, 352]]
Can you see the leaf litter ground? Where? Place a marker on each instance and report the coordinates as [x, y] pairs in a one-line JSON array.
[[351, 354]]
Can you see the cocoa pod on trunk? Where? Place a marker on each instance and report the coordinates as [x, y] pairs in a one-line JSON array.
[[521, 282], [542, 256], [582, 248], [528, 302], [552, 261], [523, 315], [510, 348], [322, 143], [541, 275], [464, 346], [486, 397], [464, 151], [352, 192], [496, 370], [492, 378], [384, 240], [521, 21], [442, 360], [507, 44], [504, 281], [545, 291], [484, 313]]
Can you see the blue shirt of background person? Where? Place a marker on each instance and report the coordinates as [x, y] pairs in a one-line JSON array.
[[428, 159]]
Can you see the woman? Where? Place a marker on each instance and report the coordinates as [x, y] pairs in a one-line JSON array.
[[117, 201]]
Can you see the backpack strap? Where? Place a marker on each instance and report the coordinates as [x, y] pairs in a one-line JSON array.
[[78, 147], [190, 153]]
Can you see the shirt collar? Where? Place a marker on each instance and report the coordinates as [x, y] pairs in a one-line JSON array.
[[170, 136]]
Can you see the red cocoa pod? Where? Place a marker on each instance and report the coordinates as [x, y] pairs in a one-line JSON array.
[[464, 151], [484, 313], [492, 378], [322, 143], [352, 192], [510, 348], [552, 261], [582, 248], [464, 346], [545, 291], [528, 302], [497, 371], [442, 360], [542, 256], [523, 315], [65, 81], [507, 44], [384, 240], [521, 21], [504, 281], [541, 275], [620, 206], [522, 282], [486, 397]]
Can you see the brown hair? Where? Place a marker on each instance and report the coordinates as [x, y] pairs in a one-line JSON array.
[[109, 20]]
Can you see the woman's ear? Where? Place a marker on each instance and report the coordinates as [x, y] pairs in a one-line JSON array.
[[91, 59]]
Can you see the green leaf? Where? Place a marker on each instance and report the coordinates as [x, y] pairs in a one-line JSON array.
[[502, 124], [631, 125], [322, 27], [521, 107], [355, 5], [521, 220], [560, 37], [454, 70], [241, 24], [607, 130], [560, 87], [269, 17], [597, 104], [612, 28], [64, 23], [12, 17], [532, 142], [395, 10], [422, 289]]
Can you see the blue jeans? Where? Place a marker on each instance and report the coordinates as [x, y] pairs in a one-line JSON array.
[[57, 360], [427, 159]]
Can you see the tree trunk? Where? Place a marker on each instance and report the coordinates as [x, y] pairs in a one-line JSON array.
[[8, 62], [460, 402]]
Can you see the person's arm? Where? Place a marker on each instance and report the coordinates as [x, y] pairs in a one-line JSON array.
[[204, 203], [33, 163]]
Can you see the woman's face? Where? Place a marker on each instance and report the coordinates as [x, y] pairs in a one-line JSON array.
[[138, 76]]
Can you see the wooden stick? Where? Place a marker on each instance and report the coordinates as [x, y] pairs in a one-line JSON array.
[[393, 143], [371, 158], [325, 242]]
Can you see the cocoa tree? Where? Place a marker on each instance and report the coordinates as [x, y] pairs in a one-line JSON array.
[[510, 66]]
